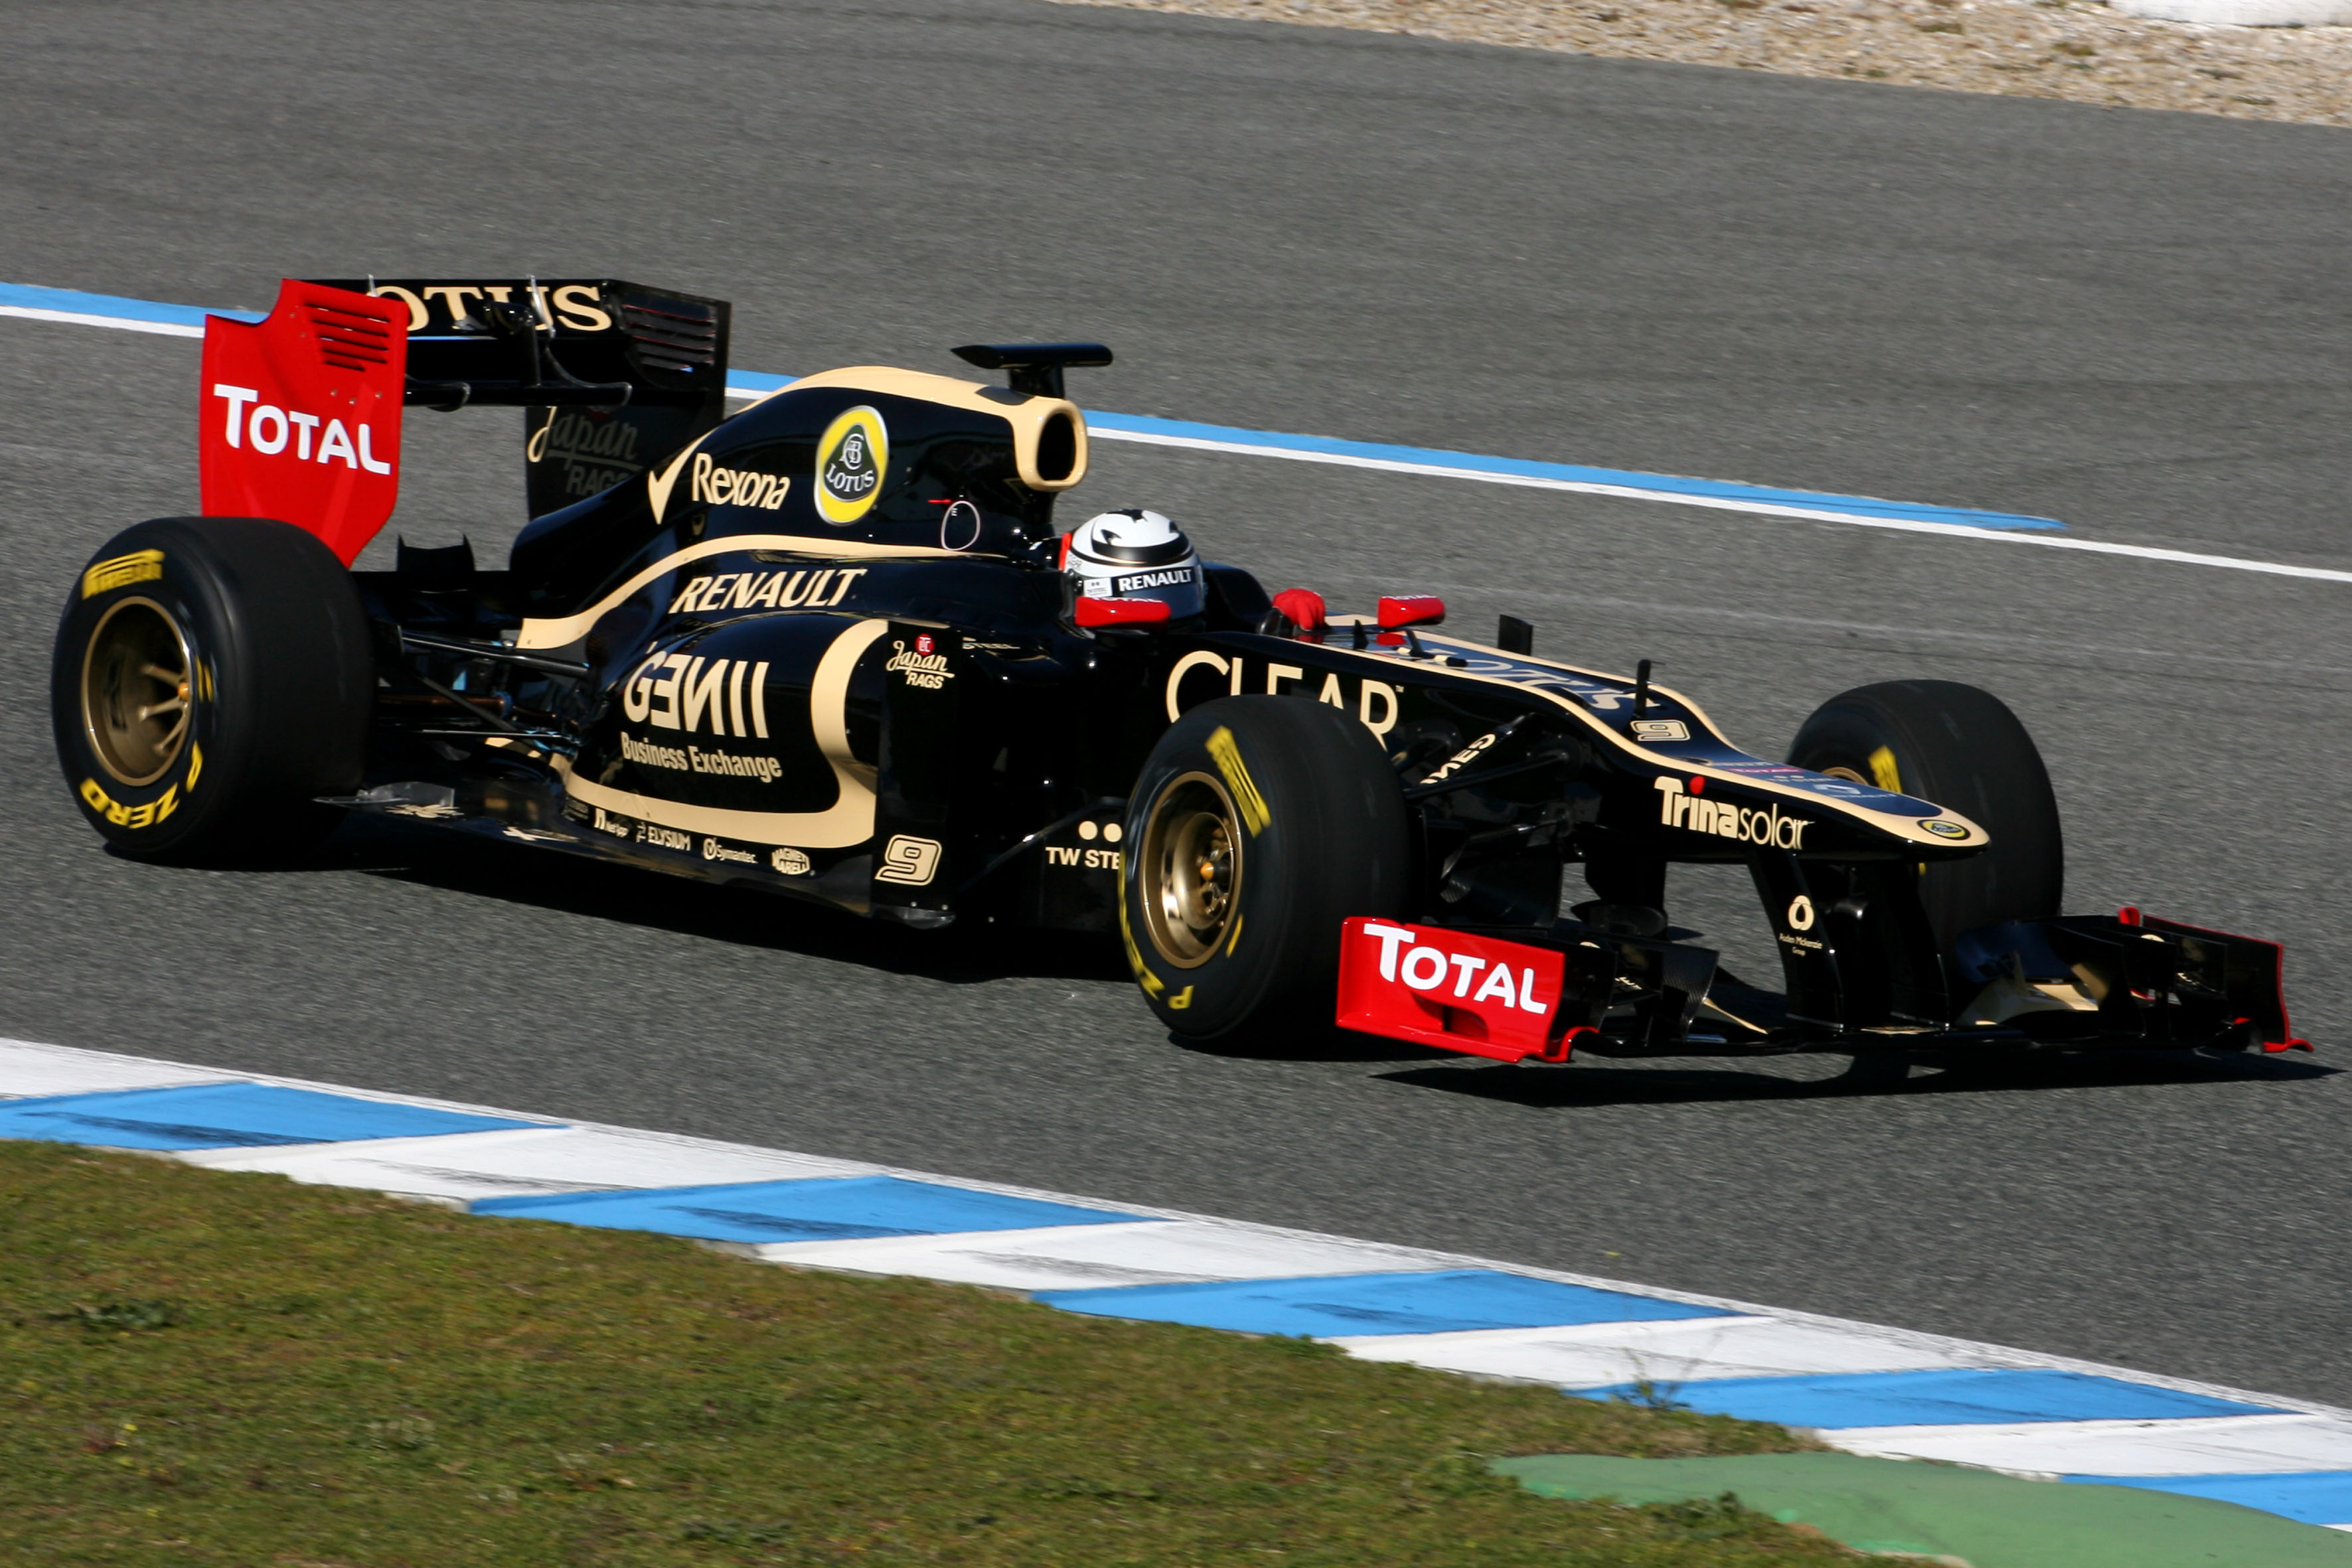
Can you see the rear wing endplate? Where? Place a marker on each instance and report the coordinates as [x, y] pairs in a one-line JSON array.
[[299, 415]]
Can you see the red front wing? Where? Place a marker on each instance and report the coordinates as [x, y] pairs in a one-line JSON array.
[[1452, 990]]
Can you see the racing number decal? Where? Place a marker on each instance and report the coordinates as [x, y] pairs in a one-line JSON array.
[[910, 861]]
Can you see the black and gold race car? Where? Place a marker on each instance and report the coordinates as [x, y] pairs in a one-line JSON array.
[[834, 647]]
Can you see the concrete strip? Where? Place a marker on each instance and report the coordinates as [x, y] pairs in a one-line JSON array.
[[1667, 1354], [1065, 1257], [2246, 1444], [28, 1069], [519, 1164]]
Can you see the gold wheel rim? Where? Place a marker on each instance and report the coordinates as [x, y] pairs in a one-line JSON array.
[[1190, 864], [136, 691]]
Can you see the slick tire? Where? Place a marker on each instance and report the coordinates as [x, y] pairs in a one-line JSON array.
[[212, 676], [1257, 826], [1962, 749]]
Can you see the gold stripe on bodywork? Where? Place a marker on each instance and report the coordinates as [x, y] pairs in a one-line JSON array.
[[848, 821], [1904, 827], [1028, 416], [566, 630]]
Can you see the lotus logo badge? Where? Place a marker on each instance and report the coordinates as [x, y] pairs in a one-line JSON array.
[[1943, 829], [850, 461]]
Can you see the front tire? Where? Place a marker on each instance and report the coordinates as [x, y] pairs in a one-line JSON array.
[[1257, 826], [212, 676], [1963, 748]]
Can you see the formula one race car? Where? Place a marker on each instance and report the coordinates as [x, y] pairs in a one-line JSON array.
[[834, 647]]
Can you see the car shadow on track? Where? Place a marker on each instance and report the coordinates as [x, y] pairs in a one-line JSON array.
[[964, 953], [1573, 1086], [1323, 1043], [569, 884]]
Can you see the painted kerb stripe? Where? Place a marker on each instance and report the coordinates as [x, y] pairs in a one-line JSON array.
[[73, 307], [1866, 1389]]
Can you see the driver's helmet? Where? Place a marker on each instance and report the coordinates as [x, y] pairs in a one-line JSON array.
[[1136, 554]]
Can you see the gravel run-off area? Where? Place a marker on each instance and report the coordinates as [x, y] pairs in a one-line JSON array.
[[2027, 48]]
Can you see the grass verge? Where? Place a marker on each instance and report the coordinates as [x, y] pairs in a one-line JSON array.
[[204, 1368]]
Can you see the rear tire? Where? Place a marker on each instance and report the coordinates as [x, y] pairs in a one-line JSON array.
[[1257, 826], [1961, 748], [212, 676]]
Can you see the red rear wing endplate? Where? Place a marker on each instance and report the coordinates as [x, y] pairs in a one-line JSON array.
[[301, 414]]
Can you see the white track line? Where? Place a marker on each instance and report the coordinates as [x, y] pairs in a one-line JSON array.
[[1807, 514], [121, 323], [1522, 482]]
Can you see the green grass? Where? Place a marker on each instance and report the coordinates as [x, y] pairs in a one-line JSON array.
[[204, 1368]]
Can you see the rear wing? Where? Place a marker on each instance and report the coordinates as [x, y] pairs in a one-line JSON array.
[[614, 376]]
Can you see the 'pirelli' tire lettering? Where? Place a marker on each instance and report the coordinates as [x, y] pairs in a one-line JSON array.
[[135, 817], [1257, 826], [1227, 753], [213, 676], [121, 571]]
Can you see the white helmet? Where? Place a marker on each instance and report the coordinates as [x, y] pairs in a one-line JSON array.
[[1136, 554]]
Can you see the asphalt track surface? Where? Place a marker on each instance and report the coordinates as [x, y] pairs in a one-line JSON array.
[[2135, 323]]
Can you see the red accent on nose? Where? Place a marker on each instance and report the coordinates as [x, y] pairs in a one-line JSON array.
[[1121, 612], [2130, 917], [1412, 610]]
